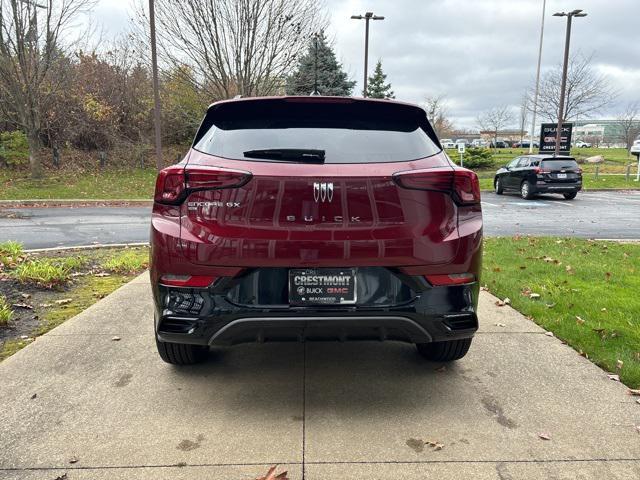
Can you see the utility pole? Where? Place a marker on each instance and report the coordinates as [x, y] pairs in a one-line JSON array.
[[315, 66], [535, 95], [563, 85], [366, 17], [156, 87]]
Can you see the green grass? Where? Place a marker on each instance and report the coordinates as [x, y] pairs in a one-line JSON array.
[[10, 252], [128, 261], [588, 294], [87, 292], [5, 311], [132, 183], [47, 272]]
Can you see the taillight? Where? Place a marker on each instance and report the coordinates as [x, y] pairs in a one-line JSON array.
[[196, 281], [541, 170], [463, 184], [170, 185], [451, 279], [176, 182], [209, 178]]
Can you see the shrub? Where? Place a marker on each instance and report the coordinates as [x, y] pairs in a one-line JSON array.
[[130, 261], [48, 272], [477, 158], [14, 149], [5, 311], [10, 252]]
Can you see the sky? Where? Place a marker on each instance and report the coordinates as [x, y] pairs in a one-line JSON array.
[[475, 53]]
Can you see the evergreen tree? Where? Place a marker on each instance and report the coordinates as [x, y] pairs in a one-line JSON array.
[[332, 80], [376, 88]]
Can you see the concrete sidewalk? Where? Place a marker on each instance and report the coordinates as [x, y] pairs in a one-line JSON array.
[[322, 410]]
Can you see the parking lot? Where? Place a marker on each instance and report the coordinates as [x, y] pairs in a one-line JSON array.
[[600, 215], [520, 405]]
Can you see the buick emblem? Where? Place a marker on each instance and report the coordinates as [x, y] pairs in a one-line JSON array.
[[323, 191]]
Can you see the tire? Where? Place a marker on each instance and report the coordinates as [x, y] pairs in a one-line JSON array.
[[570, 196], [498, 186], [181, 353], [525, 190], [444, 351]]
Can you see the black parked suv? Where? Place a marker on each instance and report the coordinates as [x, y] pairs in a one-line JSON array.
[[532, 174]]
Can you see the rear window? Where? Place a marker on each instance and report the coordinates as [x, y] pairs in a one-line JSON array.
[[353, 132], [560, 164]]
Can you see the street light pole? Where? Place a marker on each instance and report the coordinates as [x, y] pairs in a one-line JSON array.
[[156, 87], [366, 17], [535, 95], [563, 85]]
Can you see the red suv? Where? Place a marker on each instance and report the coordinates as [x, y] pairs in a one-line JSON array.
[[310, 218]]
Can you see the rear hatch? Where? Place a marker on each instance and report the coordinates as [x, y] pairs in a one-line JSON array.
[[560, 170], [311, 181]]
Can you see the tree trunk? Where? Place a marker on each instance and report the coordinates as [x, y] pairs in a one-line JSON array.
[[35, 163]]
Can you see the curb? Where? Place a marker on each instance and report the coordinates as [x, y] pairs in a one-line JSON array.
[[88, 247], [45, 203]]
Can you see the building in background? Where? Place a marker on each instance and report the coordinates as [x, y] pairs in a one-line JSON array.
[[600, 133]]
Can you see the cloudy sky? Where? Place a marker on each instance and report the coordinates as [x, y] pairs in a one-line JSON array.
[[477, 53]]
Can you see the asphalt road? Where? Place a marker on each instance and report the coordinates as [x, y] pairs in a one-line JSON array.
[[80, 406], [604, 215]]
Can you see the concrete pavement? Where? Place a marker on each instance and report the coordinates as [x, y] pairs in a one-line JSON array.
[[611, 215], [322, 410]]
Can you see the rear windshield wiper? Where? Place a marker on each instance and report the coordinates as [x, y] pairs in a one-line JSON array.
[[288, 154]]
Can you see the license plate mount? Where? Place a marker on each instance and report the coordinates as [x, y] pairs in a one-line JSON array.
[[322, 286]]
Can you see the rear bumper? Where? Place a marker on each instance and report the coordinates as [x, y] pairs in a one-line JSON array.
[[545, 187], [436, 314]]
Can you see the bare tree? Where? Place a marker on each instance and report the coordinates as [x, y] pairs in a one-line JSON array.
[[524, 115], [437, 113], [495, 119], [235, 47], [30, 48], [587, 91], [629, 124]]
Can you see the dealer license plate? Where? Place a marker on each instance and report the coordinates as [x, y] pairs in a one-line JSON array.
[[322, 286]]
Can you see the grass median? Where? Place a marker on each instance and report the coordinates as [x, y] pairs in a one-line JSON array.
[[40, 291], [585, 292]]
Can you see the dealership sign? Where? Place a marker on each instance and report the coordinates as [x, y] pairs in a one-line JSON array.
[[548, 137]]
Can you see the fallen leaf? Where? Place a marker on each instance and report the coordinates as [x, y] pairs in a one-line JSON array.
[[496, 269], [619, 364], [46, 305], [61, 477], [614, 377], [634, 391], [63, 301], [271, 475], [549, 334], [523, 267], [34, 396], [603, 309], [115, 339], [579, 320], [26, 296], [500, 325], [102, 274], [438, 446], [551, 305], [534, 295], [73, 460], [544, 436], [569, 270], [607, 276]]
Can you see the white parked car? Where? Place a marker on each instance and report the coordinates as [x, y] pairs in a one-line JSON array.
[[447, 143], [635, 148], [581, 144], [478, 142]]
